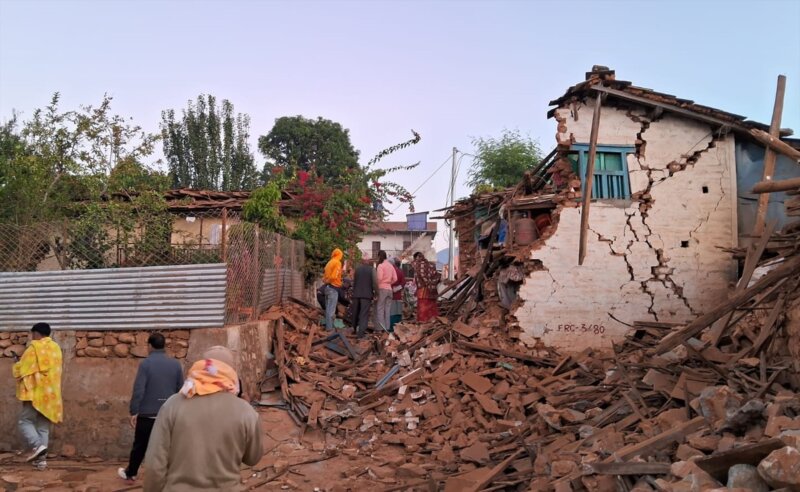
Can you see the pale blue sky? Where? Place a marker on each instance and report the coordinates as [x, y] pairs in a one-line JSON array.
[[450, 70]]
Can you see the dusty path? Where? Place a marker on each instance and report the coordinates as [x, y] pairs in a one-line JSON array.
[[291, 462]]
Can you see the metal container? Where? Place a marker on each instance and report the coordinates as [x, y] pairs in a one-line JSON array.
[[525, 231]]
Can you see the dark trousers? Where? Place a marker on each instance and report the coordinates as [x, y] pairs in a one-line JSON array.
[[141, 436], [361, 315]]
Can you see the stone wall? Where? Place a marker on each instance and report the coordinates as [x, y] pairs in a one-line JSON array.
[[104, 344], [12, 343], [98, 375], [655, 257], [128, 344]]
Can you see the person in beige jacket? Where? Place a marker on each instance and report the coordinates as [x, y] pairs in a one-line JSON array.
[[204, 433]]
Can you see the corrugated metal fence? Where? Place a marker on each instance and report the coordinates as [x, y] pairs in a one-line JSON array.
[[161, 297], [278, 285]]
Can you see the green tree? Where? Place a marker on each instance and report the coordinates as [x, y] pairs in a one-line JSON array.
[[130, 176], [61, 164], [207, 147], [296, 144], [18, 175], [331, 213], [263, 206], [60, 158], [500, 163]]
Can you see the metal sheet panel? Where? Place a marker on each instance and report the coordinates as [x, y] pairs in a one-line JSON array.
[[269, 290], [749, 170], [283, 282], [164, 297]]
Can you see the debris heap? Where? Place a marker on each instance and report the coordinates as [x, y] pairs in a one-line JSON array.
[[674, 407]]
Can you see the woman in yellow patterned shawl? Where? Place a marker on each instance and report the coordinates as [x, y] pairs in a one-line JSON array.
[[38, 375]]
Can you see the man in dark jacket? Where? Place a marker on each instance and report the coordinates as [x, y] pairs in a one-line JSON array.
[[364, 290], [158, 378]]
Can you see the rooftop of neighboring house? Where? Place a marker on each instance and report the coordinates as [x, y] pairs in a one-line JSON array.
[[191, 200], [398, 226]]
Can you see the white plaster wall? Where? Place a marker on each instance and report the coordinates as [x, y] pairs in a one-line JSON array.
[[571, 307], [615, 127], [392, 243]]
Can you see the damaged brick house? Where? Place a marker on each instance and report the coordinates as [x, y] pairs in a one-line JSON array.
[[670, 199]]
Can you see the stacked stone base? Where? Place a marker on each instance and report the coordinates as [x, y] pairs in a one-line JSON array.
[[103, 344]]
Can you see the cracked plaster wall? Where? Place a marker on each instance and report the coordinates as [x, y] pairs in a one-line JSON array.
[[636, 267]]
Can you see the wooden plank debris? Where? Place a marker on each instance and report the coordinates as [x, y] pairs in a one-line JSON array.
[[788, 268], [631, 468], [717, 464]]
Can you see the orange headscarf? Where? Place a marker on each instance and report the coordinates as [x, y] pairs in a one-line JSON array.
[[208, 376]]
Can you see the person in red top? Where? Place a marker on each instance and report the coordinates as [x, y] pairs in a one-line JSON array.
[[427, 280], [397, 295]]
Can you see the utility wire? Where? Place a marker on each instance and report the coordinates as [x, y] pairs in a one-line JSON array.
[[458, 168], [423, 183]]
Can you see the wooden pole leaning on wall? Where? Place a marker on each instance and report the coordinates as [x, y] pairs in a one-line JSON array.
[[769, 155], [223, 238], [588, 180]]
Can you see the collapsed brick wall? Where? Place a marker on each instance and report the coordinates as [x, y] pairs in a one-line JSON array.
[[467, 246], [654, 257]]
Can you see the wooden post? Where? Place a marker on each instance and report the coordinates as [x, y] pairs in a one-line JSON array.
[[589, 179], [776, 144], [773, 186], [278, 267], [200, 244], [256, 274], [223, 239], [293, 267], [769, 155]]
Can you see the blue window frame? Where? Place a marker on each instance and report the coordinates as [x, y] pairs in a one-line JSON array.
[[611, 179]]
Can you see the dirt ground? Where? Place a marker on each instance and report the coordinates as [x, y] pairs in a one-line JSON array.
[[312, 461]]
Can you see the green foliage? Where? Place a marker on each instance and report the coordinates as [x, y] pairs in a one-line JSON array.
[[140, 229], [133, 177], [60, 158], [207, 148], [89, 241], [21, 177], [333, 212], [386, 192], [263, 207], [300, 144], [320, 240], [152, 243], [500, 163]]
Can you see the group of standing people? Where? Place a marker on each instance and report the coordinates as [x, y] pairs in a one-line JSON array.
[[382, 285], [193, 432]]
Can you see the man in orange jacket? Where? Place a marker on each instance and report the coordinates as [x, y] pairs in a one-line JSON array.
[[333, 282]]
